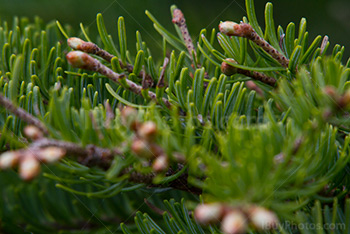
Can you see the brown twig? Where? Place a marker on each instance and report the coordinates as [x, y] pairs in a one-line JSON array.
[[258, 76], [230, 70], [230, 28], [91, 48], [154, 208], [161, 82], [180, 183], [85, 61], [22, 114], [179, 20], [88, 155]]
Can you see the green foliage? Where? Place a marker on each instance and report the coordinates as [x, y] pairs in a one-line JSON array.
[[283, 148]]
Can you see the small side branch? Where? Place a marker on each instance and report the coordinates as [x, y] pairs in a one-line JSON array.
[[91, 48], [230, 28], [22, 114], [180, 21], [230, 70], [85, 61]]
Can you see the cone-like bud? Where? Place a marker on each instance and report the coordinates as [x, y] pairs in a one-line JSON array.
[[234, 222], [142, 149], [262, 218], [29, 167], [209, 213], [75, 43], [344, 101], [129, 117], [81, 60], [227, 69], [9, 159], [51, 154], [147, 130], [228, 28], [33, 132], [161, 163]]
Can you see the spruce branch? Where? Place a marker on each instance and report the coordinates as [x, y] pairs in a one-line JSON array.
[[230, 28], [85, 61], [91, 48], [22, 114]]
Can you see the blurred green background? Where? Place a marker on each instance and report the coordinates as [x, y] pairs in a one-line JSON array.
[[325, 17]]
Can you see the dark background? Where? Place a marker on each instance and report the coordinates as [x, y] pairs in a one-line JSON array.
[[325, 17]]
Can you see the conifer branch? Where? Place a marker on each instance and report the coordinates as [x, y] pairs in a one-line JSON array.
[[91, 48], [230, 28], [85, 61], [22, 114]]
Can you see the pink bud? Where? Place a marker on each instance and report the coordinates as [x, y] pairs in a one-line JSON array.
[[82, 60], [209, 213], [228, 28], [75, 43], [234, 222], [161, 163], [29, 167], [33, 132], [51, 154], [147, 130], [142, 149], [9, 159], [263, 219]]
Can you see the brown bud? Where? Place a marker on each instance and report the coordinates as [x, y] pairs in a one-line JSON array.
[[344, 100], [147, 130], [209, 213], [33, 132], [142, 149], [51, 154], [29, 167], [156, 150], [234, 222], [82, 60], [161, 163], [252, 86], [227, 69], [263, 219], [9, 159]]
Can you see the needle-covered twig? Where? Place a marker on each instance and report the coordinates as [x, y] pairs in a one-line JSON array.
[[230, 28], [230, 70], [22, 114], [85, 61], [91, 48]]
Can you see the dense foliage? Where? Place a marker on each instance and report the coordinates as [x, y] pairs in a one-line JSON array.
[[251, 136]]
